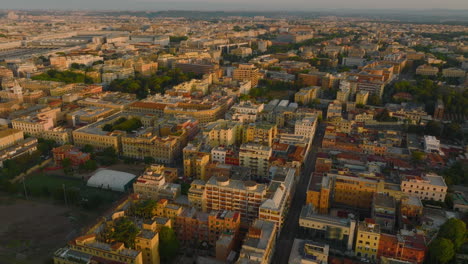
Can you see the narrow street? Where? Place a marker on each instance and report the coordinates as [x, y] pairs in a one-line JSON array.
[[290, 228]]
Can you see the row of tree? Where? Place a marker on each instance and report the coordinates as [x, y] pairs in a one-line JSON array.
[[156, 83], [63, 76], [428, 92], [449, 240]]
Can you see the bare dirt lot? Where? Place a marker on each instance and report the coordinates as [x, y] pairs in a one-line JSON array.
[[30, 231]]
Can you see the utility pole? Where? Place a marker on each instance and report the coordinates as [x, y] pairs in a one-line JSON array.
[[25, 190], [65, 195]]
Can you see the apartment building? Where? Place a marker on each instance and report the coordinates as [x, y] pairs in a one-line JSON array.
[[319, 194], [354, 191], [384, 211], [306, 127], [453, 73], [223, 222], [317, 227], [306, 95], [362, 97], [367, 239], [334, 109], [195, 163], [427, 187], [10, 136], [86, 249], [309, 252], [427, 70], [22, 147], [259, 244], [167, 209], [255, 157], [88, 115], [114, 72], [152, 184], [197, 196], [276, 206], [245, 197], [32, 125], [69, 152], [60, 135], [260, 133], [149, 144], [223, 132], [114, 100], [246, 72], [404, 246], [245, 112]]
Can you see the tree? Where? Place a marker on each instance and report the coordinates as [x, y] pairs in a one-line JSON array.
[[433, 128], [441, 250], [89, 165], [418, 156], [455, 230], [374, 100], [384, 116], [144, 209], [88, 148], [148, 160], [108, 156], [66, 163], [107, 127], [125, 231], [45, 146], [168, 244]]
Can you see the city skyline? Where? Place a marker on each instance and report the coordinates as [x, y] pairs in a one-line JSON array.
[[241, 5]]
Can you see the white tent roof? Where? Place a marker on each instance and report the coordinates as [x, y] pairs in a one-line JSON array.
[[110, 179]]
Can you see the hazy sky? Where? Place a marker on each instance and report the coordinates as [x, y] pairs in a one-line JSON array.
[[256, 5]]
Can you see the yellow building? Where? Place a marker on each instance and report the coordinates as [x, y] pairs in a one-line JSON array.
[[354, 191], [147, 144], [261, 133], [203, 113], [99, 141], [367, 239], [255, 157], [306, 95], [223, 132], [195, 163], [9, 137], [246, 72], [147, 241], [168, 210], [453, 73], [85, 248], [60, 135], [197, 195], [319, 196], [362, 97], [88, 115], [427, 70]]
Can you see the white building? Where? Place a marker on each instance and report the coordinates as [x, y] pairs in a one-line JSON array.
[[306, 127], [429, 187], [218, 154], [431, 144], [245, 112]]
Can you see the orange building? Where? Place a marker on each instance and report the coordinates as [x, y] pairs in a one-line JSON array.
[[407, 247], [222, 222], [71, 152], [192, 226]]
